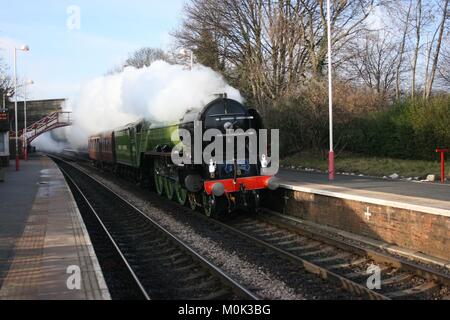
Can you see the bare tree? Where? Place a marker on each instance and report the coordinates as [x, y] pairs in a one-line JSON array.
[[144, 57], [6, 86], [444, 68], [271, 47], [141, 58], [441, 29], [375, 63], [418, 23], [402, 20], [347, 19]]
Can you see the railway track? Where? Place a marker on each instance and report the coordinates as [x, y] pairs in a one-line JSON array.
[[344, 263], [161, 265]]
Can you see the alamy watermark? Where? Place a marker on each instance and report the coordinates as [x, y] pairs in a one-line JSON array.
[[233, 146], [74, 280], [374, 281], [73, 21]]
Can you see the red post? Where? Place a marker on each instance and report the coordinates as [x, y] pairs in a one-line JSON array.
[[25, 149], [331, 170], [442, 152]]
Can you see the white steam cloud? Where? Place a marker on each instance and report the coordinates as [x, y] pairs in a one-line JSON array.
[[161, 92]]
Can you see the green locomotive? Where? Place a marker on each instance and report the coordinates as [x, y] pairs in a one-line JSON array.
[[143, 151]]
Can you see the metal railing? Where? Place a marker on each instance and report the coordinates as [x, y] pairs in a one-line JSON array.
[[54, 120]]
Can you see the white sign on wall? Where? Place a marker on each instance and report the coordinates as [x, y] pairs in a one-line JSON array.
[[4, 144]]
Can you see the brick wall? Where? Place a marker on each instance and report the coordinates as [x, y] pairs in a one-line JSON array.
[[423, 232]]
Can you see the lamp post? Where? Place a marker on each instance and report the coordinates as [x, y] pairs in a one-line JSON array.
[[331, 172], [24, 48], [25, 140]]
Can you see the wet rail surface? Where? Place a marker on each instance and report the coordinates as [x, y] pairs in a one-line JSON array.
[[160, 266]]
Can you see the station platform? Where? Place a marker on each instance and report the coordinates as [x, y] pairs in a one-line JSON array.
[[417, 196], [410, 217], [45, 250]]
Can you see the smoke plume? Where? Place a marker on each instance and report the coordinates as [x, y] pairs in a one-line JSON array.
[[161, 92]]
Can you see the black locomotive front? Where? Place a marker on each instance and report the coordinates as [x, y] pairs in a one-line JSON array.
[[230, 172]]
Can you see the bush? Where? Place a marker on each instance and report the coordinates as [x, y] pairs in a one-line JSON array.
[[411, 129], [408, 130], [303, 118]]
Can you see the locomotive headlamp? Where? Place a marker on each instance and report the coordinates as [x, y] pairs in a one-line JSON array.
[[264, 162], [228, 126], [212, 168]]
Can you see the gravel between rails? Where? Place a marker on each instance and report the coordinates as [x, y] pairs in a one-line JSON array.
[[263, 272]]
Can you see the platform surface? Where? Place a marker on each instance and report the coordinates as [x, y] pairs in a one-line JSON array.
[[426, 197], [45, 250]]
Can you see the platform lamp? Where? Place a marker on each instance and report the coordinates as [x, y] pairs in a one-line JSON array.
[[331, 166], [25, 140], [24, 48]]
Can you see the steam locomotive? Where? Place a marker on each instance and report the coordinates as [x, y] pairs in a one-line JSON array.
[[143, 151]]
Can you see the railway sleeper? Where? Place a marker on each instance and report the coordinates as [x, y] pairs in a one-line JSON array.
[[178, 262], [425, 288], [323, 250], [222, 294], [339, 256], [350, 264], [307, 246], [197, 275], [206, 283], [402, 277], [362, 273]]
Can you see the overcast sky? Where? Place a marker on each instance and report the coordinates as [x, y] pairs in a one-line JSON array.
[[65, 51]]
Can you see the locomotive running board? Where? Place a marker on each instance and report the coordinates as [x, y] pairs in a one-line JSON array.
[[158, 154]]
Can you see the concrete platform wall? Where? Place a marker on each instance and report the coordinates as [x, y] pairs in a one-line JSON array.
[[419, 231]]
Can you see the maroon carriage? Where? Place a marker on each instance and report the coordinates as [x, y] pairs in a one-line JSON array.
[[102, 150]]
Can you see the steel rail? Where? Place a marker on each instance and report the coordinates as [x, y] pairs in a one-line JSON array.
[[324, 273], [122, 256], [239, 289], [380, 257]]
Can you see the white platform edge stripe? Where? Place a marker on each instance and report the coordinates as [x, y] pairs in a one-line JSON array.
[[97, 269], [377, 201]]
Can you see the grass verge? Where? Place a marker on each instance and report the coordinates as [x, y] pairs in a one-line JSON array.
[[373, 166]]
